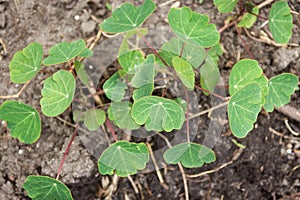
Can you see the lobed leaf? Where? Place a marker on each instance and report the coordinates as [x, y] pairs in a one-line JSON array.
[[243, 109], [158, 113], [193, 54], [26, 63], [120, 114], [281, 87], [65, 51], [225, 6], [193, 27], [184, 71], [124, 158], [94, 118], [46, 188], [128, 17], [190, 155], [23, 121], [114, 88], [57, 93], [281, 22]]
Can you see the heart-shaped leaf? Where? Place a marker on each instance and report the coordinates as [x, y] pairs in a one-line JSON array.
[[44, 187], [128, 17], [58, 93], [193, 54], [184, 71], [281, 88], [26, 63], [119, 113], [243, 73], [158, 113], [143, 79], [243, 109], [225, 6], [23, 121], [249, 19], [190, 155], [130, 61], [193, 27], [65, 51], [124, 158], [281, 22], [114, 88], [94, 118]]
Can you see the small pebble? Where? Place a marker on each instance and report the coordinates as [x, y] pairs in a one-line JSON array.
[[88, 26]]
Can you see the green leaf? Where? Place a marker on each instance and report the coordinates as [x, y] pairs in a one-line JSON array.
[[139, 32], [209, 72], [57, 93], [190, 155], [281, 22], [46, 188], [65, 51], [86, 52], [130, 61], [184, 71], [119, 113], [26, 63], [193, 27], [225, 6], [94, 118], [243, 73], [158, 113], [243, 109], [23, 121], [114, 88], [78, 116], [193, 54], [124, 158], [81, 73], [143, 79], [281, 87], [249, 19], [128, 17]]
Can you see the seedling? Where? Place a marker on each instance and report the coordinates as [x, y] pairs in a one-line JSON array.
[[196, 47]]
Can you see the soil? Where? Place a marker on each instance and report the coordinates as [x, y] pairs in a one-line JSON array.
[[267, 168]]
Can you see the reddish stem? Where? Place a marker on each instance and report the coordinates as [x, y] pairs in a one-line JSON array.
[[154, 51], [66, 152], [244, 43], [111, 129], [209, 92], [187, 115]]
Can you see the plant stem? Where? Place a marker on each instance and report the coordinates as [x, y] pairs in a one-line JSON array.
[[182, 49], [187, 115], [244, 43], [18, 94], [111, 129], [66, 152], [211, 93], [154, 51]]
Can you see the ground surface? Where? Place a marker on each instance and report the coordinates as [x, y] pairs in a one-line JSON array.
[[268, 168]]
